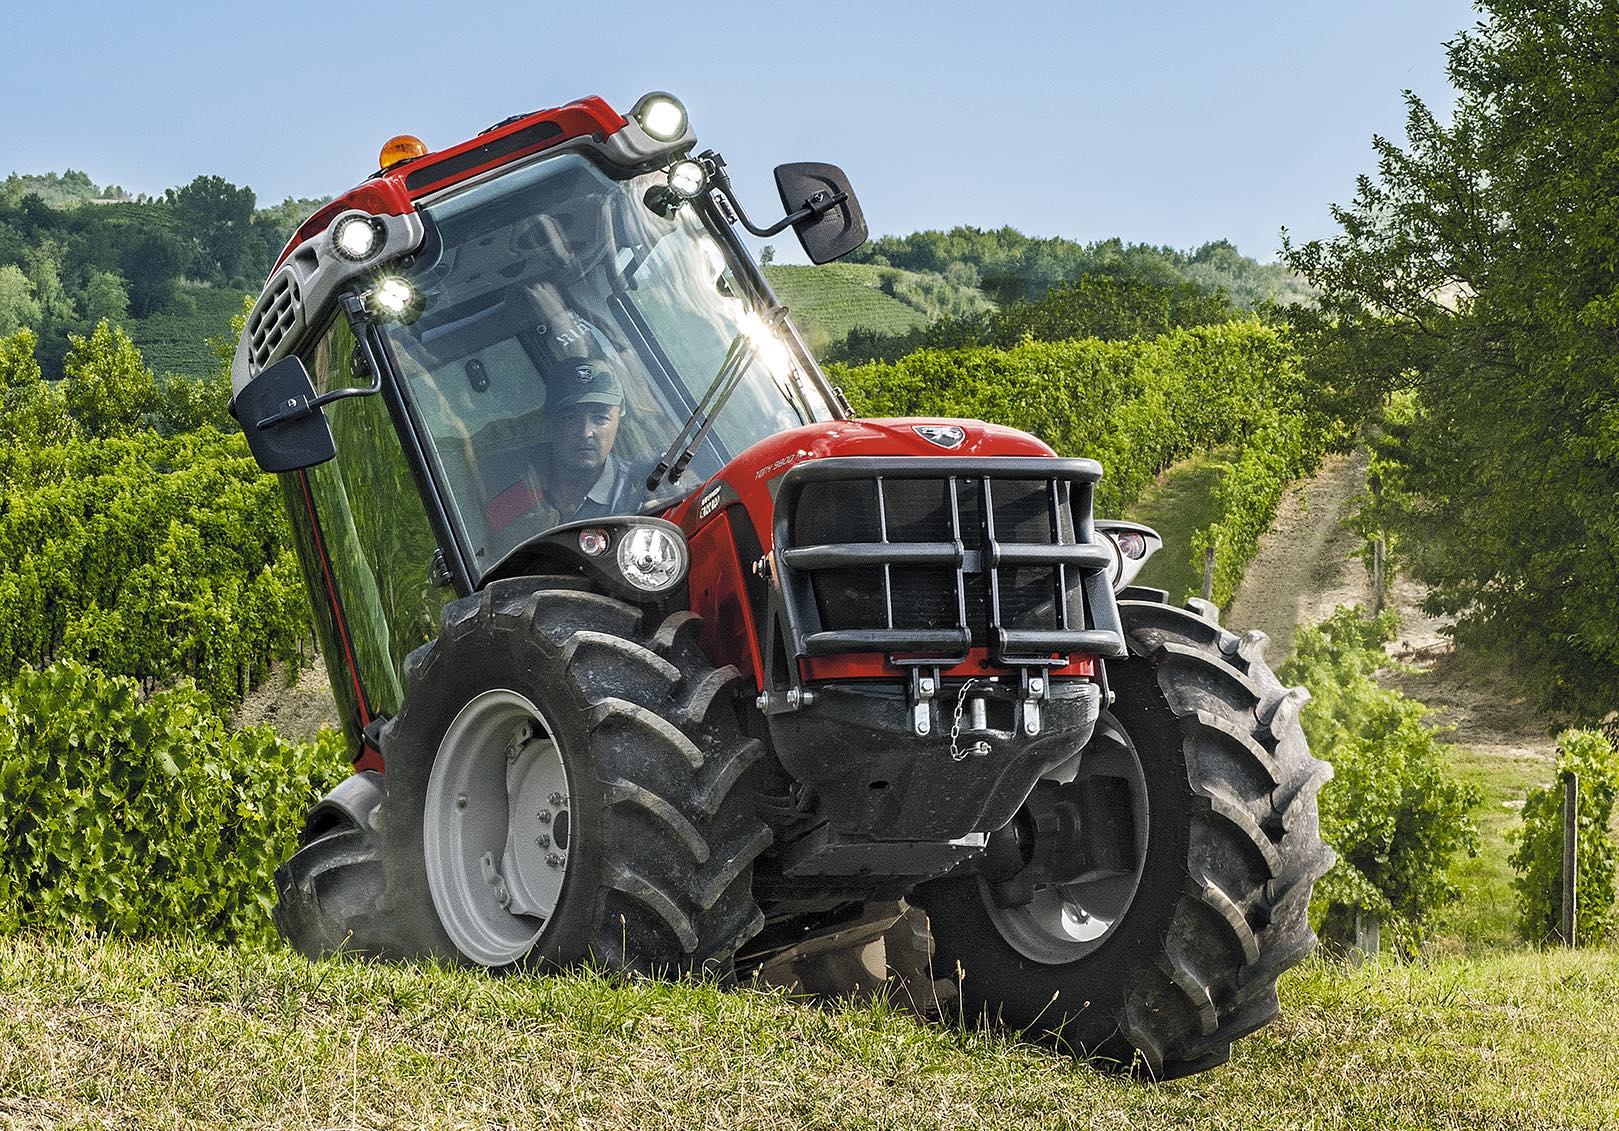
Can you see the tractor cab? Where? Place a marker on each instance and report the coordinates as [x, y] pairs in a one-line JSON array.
[[551, 324], [574, 331]]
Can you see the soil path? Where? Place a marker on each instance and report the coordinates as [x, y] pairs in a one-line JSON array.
[[1307, 565], [296, 711]]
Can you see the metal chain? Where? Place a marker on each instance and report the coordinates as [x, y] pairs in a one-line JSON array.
[[956, 753]]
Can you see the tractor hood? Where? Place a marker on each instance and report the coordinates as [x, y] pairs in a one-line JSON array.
[[753, 477], [896, 436]]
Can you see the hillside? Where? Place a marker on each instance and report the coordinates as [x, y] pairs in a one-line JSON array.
[[176, 340], [829, 301]]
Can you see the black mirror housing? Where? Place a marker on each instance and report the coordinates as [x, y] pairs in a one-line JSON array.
[[836, 226], [285, 430]]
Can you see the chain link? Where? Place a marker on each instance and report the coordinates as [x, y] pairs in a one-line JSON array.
[[956, 753]]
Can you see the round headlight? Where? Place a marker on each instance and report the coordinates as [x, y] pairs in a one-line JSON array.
[[686, 179], [395, 298], [651, 558], [1132, 543], [661, 116], [594, 541], [357, 237]]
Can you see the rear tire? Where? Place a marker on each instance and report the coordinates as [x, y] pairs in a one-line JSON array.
[[628, 835], [1232, 851]]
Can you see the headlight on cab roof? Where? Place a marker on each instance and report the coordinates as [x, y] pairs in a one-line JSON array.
[[357, 237], [661, 115]]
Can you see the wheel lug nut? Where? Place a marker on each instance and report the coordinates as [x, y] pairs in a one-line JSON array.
[[461, 801], [544, 816], [542, 841], [556, 799], [554, 859]]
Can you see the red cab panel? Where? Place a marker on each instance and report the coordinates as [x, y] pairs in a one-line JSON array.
[[394, 191]]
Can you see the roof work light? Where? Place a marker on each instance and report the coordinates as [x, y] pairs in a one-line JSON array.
[[661, 115]]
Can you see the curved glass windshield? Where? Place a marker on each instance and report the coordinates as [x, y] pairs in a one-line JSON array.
[[568, 335]]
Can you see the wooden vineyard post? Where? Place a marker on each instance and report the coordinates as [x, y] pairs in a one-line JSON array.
[[1368, 936], [1208, 574], [1380, 548], [1571, 856], [1379, 574]]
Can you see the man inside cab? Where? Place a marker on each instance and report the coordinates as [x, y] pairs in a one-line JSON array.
[[579, 476]]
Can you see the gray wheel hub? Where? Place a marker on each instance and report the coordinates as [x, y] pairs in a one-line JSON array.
[[498, 826], [1068, 920]]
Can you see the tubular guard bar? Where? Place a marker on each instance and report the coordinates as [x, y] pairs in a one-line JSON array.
[[967, 585]]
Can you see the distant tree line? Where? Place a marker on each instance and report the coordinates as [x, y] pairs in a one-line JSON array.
[[1092, 306], [67, 264], [1009, 266]]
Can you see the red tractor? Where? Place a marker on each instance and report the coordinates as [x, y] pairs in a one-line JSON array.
[[652, 654]]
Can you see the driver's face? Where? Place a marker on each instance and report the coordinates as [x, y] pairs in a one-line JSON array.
[[582, 435]]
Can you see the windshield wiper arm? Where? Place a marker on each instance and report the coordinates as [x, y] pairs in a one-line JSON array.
[[691, 436]]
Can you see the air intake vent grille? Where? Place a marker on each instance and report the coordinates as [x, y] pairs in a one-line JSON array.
[[273, 318]]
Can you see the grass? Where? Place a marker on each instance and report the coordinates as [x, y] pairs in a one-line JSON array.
[[168, 1034], [1177, 506], [1486, 914]]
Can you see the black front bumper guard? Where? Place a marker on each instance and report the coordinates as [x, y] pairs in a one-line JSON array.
[[1077, 550]]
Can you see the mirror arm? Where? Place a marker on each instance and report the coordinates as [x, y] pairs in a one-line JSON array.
[[820, 203], [299, 407]]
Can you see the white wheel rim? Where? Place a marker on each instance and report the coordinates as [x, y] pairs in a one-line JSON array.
[[1065, 922], [497, 827]]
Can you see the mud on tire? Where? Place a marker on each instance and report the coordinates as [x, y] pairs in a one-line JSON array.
[[1232, 851], [658, 874]]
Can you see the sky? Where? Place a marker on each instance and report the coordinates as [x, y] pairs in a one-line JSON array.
[[1159, 121]]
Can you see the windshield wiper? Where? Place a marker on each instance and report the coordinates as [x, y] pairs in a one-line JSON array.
[[690, 437]]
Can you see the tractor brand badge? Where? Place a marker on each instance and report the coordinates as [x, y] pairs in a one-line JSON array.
[[710, 501], [585, 373], [944, 435]]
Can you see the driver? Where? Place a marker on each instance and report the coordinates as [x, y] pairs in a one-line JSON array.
[[579, 475]]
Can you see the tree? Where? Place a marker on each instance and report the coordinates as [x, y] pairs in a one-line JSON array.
[[152, 262], [108, 388], [104, 298], [767, 255], [1477, 267], [44, 269], [219, 217], [18, 307], [32, 413], [186, 404]]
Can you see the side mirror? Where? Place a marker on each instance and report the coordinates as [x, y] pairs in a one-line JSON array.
[[285, 428], [827, 216]]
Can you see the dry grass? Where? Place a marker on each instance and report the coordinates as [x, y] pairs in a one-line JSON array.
[[163, 1035]]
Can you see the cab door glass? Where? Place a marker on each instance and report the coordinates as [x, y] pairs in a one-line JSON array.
[[375, 527]]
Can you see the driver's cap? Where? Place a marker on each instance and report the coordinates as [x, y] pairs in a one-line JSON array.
[[585, 380]]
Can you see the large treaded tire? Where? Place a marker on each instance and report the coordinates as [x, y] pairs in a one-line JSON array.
[[659, 877], [1233, 850]]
